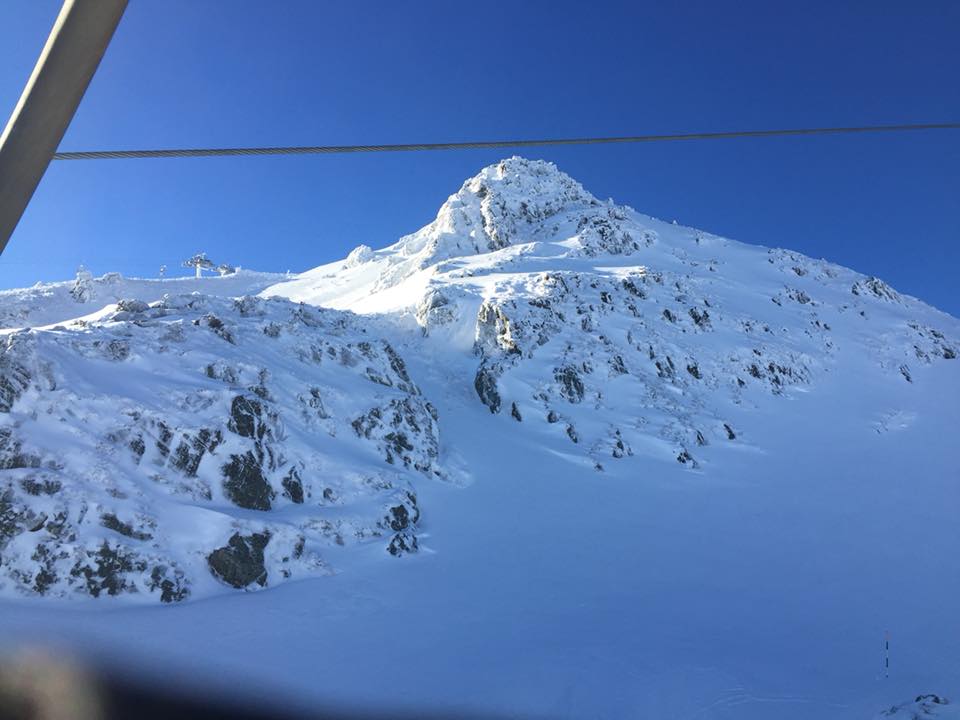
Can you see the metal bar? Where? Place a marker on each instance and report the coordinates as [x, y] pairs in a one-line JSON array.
[[69, 59], [330, 149]]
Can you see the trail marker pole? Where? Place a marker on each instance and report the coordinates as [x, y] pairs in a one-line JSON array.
[[886, 654]]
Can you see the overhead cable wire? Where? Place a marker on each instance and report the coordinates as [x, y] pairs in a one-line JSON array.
[[484, 144]]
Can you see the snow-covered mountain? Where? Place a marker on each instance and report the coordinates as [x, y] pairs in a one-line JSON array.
[[621, 332], [540, 411]]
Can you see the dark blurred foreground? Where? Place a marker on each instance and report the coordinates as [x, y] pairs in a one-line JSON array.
[[39, 686], [36, 686]]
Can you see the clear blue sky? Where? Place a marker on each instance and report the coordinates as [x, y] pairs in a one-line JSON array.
[[252, 72]]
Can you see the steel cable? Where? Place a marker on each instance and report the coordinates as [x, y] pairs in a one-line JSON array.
[[332, 149]]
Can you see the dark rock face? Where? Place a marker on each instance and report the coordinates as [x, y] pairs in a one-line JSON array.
[[12, 455], [700, 318], [400, 369], [110, 570], [366, 424], [217, 326], [620, 448], [9, 517], [112, 522], [245, 484], [931, 343], [630, 285], [402, 519], [40, 486], [617, 366], [799, 296], [46, 574], [111, 567], [931, 698], [246, 418], [571, 386], [240, 563], [293, 486], [15, 377], [246, 481], [403, 543], [485, 383], [191, 449], [172, 586], [399, 518], [405, 434]]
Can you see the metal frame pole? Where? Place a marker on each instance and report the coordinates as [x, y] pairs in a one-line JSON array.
[[76, 44]]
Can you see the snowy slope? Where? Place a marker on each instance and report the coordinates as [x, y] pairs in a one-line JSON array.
[[661, 474], [49, 303]]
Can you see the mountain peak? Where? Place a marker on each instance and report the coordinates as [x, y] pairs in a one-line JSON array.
[[519, 177], [510, 214], [494, 208]]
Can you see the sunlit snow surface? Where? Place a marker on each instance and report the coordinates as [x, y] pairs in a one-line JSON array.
[[676, 476]]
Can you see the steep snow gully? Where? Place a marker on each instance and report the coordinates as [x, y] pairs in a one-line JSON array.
[[545, 456]]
